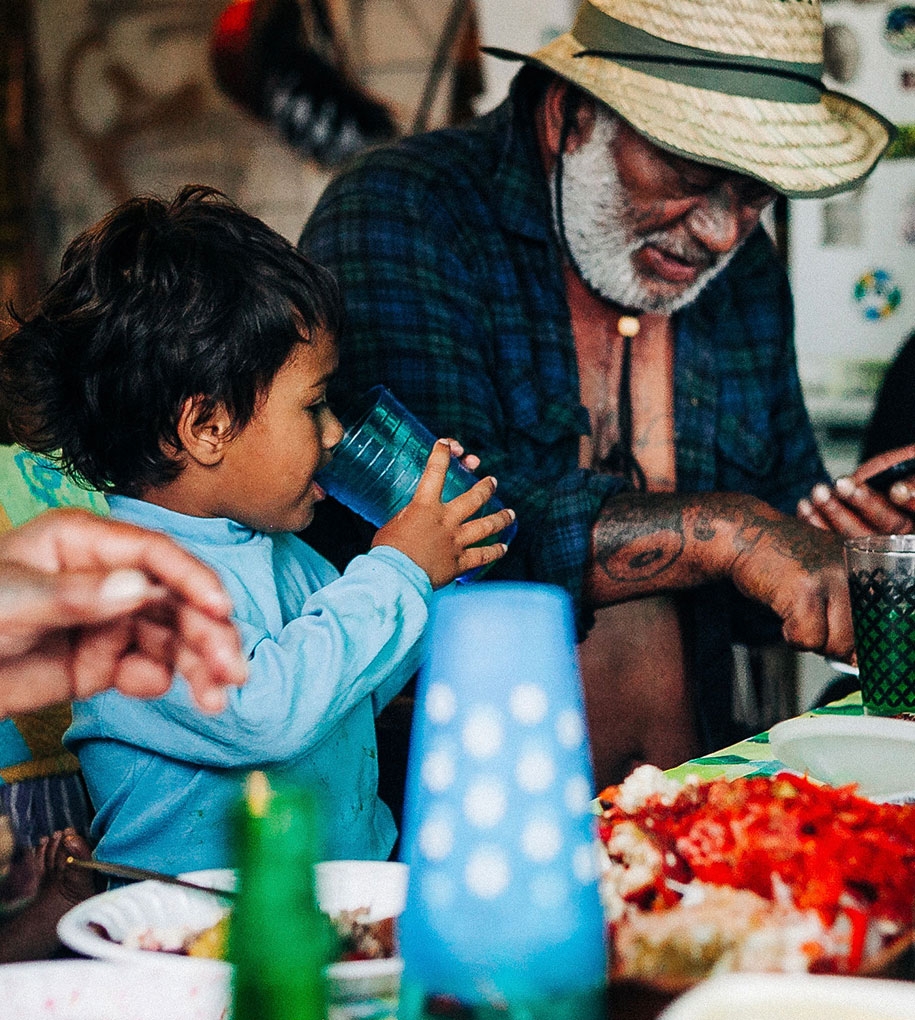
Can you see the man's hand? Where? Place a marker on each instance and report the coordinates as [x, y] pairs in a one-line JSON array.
[[851, 508], [643, 545], [88, 603]]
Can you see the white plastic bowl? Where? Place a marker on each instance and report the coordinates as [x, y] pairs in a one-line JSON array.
[[109, 990], [794, 997], [379, 886], [876, 753]]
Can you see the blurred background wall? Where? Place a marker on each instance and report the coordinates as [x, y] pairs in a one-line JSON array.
[[109, 98]]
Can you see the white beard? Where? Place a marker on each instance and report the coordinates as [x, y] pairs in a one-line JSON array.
[[598, 231]]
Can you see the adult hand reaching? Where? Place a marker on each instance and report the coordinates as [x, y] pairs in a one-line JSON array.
[[852, 508], [88, 603]]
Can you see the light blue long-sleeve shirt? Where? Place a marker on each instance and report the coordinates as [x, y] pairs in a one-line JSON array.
[[325, 653]]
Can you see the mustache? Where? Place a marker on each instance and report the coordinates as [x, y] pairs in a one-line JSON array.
[[688, 251], [693, 254]]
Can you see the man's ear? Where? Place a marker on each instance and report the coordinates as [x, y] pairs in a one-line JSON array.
[[557, 97], [204, 437]]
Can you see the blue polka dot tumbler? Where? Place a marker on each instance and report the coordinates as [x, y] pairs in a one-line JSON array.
[[503, 917]]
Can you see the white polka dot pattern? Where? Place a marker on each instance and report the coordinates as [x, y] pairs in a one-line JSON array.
[[518, 777], [438, 771], [436, 839], [536, 771], [570, 730], [487, 873], [528, 704], [541, 840], [441, 704], [498, 823], [482, 733], [485, 803]]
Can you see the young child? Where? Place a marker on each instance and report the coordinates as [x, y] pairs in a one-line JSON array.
[[179, 363]]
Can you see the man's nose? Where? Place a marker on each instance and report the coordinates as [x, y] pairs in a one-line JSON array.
[[720, 220]]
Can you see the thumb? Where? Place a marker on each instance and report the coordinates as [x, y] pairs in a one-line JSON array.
[[90, 597], [34, 603]]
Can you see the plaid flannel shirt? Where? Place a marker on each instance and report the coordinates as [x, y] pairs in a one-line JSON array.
[[452, 279]]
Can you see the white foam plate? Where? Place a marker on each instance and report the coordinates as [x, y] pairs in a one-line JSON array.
[[379, 886], [876, 753], [794, 997], [106, 990]]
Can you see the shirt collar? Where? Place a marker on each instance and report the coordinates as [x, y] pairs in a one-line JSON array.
[[208, 530], [521, 192]]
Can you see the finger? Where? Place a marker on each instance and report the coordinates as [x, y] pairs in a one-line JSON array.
[[71, 539], [902, 494], [876, 511], [138, 676], [470, 461], [807, 513], [135, 656], [432, 481], [481, 555], [816, 610], [95, 657], [477, 496], [480, 528], [839, 516], [209, 658], [218, 645], [92, 597], [882, 461]]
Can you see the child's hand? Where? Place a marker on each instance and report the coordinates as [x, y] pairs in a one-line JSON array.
[[438, 536]]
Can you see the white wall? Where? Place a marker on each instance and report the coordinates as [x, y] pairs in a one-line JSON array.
[[520, 25]]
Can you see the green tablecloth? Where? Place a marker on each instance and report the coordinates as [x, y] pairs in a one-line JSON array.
[[753, 757]]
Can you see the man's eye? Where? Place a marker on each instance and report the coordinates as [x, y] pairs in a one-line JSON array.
[[756, 194]]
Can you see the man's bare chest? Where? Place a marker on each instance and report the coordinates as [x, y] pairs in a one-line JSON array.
[[600, 350]]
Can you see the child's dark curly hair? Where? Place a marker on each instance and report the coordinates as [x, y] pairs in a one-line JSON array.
[[158, 302]]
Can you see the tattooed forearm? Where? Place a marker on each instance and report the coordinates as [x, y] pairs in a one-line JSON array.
[[638, 538], [647, 544], [652, 542]]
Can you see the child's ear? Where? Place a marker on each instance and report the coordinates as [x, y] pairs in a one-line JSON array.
[[204, 437]]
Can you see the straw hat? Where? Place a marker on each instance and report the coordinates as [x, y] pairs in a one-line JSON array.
[[734, 83]]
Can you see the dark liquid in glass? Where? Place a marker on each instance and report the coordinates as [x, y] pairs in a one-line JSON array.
[[883, 615]]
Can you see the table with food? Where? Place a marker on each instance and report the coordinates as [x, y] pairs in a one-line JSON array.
[[772, 858]]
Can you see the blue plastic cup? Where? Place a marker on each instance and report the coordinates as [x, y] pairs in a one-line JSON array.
[[503, 910], [377, 465]]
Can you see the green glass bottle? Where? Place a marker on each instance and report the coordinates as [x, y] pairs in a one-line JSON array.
[[279, 941]]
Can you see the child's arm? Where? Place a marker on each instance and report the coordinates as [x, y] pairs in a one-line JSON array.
[[439, 537], [351, 636]]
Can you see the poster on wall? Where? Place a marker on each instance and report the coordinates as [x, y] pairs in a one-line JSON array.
[[852, 256]]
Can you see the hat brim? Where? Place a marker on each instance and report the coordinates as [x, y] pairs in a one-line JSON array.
[[803, 150]]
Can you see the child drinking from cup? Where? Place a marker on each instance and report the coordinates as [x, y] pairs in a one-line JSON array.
[[179, 363]]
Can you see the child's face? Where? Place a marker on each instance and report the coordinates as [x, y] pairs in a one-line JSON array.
[[266, 477]]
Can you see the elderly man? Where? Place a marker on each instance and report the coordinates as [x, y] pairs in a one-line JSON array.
[[578, 288]]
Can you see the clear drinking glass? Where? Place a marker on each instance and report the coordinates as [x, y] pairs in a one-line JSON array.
[[881, 579]]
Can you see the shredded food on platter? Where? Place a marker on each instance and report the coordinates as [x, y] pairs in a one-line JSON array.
[[358, 938], [761, 873]]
